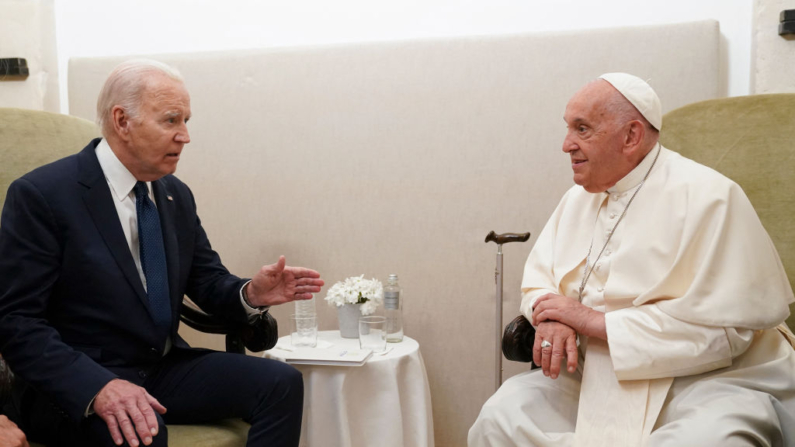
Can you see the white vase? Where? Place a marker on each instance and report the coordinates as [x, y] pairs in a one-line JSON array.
[[348, 316]]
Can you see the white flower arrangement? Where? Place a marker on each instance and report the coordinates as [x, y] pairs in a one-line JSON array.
[[357, 290]]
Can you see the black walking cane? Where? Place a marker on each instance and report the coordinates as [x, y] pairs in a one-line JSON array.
[[500, 239]]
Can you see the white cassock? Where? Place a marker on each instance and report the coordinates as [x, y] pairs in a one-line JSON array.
[[694, 296]]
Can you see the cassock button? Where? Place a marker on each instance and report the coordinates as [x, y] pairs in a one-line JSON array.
[[598, 266], [607, 252], [600, 289], [613, 215], [615, 196]]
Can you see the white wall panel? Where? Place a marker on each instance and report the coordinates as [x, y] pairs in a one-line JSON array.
[[89, 28]]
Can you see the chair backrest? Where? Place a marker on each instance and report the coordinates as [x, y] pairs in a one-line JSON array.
[[31, 138], [751, 140]]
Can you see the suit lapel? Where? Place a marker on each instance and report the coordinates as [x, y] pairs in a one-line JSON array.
[[100, 206], [167, 210]]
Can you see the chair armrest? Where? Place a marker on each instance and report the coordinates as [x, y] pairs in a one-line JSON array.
[[257, 335], [260, 334], [196, 318], [517, 340]]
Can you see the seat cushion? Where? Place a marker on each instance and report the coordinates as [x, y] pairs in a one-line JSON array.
[[227, 433]]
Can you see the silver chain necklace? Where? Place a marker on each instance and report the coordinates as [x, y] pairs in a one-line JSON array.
[[586, 273]]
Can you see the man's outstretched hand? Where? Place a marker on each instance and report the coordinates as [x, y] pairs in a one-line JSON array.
[[279, 283], [128, 410]]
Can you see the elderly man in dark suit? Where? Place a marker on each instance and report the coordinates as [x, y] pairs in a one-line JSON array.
[[96, 253]]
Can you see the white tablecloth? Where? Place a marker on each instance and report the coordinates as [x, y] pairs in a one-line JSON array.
[[384, 403]]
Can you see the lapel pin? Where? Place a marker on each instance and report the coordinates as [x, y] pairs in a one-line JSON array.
[[171, 199]]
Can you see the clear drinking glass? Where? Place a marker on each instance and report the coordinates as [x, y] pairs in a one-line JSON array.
[[303, 330], [372, 333]]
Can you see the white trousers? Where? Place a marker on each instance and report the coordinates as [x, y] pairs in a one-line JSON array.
[[529, 409], [748, 404]]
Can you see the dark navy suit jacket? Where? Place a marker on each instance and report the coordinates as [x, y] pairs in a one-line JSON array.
[[73, 311]]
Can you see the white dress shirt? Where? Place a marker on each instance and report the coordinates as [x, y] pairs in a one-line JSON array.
[[121, 183]]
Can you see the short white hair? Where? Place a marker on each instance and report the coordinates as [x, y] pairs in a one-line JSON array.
[[125, 86]]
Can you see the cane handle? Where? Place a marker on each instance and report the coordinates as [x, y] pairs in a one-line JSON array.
[[507, 237]]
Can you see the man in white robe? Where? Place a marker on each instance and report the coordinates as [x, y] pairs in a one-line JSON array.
[[657, 296]]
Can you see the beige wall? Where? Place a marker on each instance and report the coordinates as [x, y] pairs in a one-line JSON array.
[[27, 30], [773, 56]]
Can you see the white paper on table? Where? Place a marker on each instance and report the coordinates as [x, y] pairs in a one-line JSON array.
[[285, 345], [324, 353]]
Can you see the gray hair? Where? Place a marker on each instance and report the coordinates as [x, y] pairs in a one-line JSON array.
[[125, 86]]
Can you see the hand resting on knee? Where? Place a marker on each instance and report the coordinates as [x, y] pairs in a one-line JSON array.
[[128, 409]]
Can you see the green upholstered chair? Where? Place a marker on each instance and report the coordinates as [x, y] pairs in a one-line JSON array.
[[29, 139], [751, 140]]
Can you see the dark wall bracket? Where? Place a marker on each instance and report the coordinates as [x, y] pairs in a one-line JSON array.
[[787, 25], [13, 69]]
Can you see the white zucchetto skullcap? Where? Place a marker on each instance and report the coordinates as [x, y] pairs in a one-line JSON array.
[[640, 94]]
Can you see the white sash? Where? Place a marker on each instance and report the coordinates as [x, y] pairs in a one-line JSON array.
[[615, 413]]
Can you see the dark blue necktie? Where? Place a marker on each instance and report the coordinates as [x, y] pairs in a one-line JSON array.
[[153, 258]]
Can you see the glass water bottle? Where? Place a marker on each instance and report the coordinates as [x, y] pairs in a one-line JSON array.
[[393, 310]]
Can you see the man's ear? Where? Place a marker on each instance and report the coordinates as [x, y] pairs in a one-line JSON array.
[[633, 139], [121, 122]]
